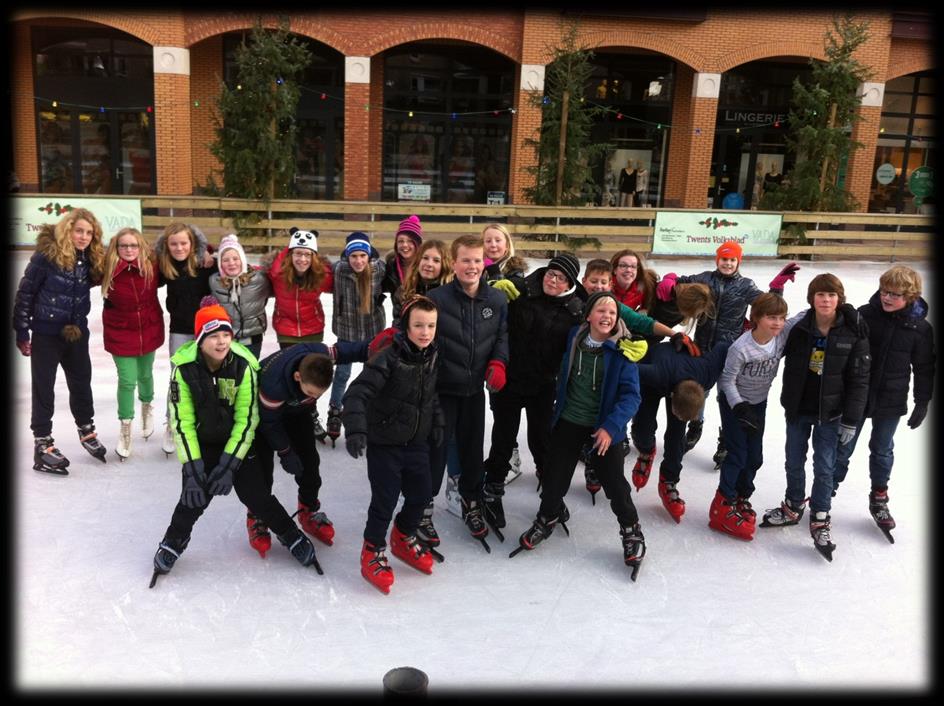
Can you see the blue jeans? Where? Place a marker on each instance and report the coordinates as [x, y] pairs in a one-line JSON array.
[[825, 446], [342, 373], [745, 451], [881, 452]]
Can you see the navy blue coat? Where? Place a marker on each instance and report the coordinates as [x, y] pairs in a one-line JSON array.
[[665, 368]]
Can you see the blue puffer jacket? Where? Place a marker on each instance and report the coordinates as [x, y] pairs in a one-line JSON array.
[[48, 297], [621, 395]]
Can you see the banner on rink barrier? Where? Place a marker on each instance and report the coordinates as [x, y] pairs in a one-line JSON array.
[[30, 213], [701, 233]]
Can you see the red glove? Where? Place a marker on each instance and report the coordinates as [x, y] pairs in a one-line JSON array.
[[381, 341], [25, 347], [787, 274], [495, 376], [681, 341], [664, 288]]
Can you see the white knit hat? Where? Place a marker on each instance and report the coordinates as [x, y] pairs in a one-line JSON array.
[[303, 239], [231, 242]]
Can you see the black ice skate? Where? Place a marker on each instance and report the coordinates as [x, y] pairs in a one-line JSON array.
[[541, 529], [592, 482], [472, 516], [634, 548], [47, 458], [494, 513], [427, 534], [720, 453], [334, 424], [878, 507], [320, 433], [693, 434], [819, 531], [90, 441], [168, 552], [301, 548]]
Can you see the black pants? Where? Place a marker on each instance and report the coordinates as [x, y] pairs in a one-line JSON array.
[[506, 414], [253, 486], [465, 418], [644, 429], [566, 441], [184, 518], [392, 469], [300, 428], [48, 353]]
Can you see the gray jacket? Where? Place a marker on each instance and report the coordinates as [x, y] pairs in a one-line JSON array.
[[347, 322], [244, 299]]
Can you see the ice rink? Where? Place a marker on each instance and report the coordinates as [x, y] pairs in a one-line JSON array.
[[708, 612]]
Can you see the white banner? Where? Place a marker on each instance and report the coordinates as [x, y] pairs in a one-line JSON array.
[[30, 213], [701, 233]]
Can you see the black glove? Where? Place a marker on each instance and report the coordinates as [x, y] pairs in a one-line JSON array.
[[681, 341], [291, 462], [220, 479], [746, 416], [194, 479], [436, 436], [355, 443], [918, 414]]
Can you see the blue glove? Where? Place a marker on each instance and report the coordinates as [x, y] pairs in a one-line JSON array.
[[220, 479], [291, 462], [194, 479]]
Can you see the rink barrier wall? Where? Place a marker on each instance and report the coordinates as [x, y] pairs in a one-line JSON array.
[[537, 230]]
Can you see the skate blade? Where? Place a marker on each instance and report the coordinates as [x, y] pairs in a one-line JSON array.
[[635, 568], [516, 552], [593, 496], [888, 534], [51, 471], [154, 579], [314, 563], [484, 544], [826, 552], [564, 527], [515, 475], [496, 530]]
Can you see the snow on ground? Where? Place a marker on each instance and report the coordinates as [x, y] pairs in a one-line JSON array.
[[708, 612]]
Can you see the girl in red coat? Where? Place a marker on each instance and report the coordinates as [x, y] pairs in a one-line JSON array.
[[633, 283], [298, 277], [133, 327]]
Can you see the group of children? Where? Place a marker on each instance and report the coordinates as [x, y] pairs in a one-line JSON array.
[[584, 357]]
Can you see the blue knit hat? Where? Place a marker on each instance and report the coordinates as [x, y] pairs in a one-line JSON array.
[[357, 242]]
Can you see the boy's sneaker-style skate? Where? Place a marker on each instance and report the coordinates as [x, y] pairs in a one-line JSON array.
[[472, 516], [724, 516], [259, 537], [643, 468], [409, 549], [90, 441], [786, 514], [634, 547], [168, 552], [47, 458], [878, 508], [693, 434], [168, 445], [123, 449], [671, 500], [300, 547], [819, 531], [147, 420], [315, 522], [334, 424], [375, 568]]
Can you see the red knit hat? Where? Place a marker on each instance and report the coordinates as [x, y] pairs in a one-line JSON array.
[[729, 248], [411, 226], [210, 319]]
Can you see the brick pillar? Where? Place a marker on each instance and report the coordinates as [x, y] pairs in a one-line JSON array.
[[859, 170], [206, 64], [23, 110], [172, 121], [694, 114], [374, 155], [525, 123], [356, 127]]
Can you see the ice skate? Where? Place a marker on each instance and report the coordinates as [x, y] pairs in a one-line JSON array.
[[643, 468], [819, 531], [168, 552], [301, 548], [315, 522], [592, 483], [541, 529], [515, 462], [693, 434], [453, 499], [720, 452], [427, 534], [878, 507], [259, 537], [634, 548], [90, 441], [47, 458], [374, 567], [168, 445], [724, 517], [123, 449], [334, 424], [494, 513], [472, 516], [671, 500], [147, 420], [320, 433], [409, 549], [746, 509], [786, 514]]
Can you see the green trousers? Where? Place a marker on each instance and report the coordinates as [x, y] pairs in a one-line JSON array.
[[134, 371]]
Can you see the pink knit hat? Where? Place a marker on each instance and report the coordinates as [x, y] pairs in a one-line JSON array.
[[411, 227]]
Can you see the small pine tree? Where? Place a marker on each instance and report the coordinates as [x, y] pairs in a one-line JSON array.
[[820, 121], [255, 124]]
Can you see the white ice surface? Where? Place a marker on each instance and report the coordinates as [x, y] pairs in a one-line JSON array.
[[708, 612]]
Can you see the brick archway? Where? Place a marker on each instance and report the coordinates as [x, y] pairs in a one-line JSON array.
[[905, 68], [646, 40], [444, 30], [136, 26], [205, 28], [769, 50]]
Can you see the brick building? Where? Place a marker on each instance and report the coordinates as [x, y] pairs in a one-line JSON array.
[[440, 102]]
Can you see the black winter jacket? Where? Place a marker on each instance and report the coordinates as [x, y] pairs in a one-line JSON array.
[[844, 387], [900, 342], [538, 326], [185, 292], [471, 331], [664, 368], [48, 297], [394, 399], [732, 296]]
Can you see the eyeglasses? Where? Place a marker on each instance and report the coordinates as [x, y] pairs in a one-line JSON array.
[[891, 295], [128, 246], [556, 276], [625, 266]]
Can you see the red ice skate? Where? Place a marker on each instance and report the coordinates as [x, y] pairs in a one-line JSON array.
[[724, 516], [643, 467], [407, 548], [315, 522], [259, 537], [374, 567], [671, 500]]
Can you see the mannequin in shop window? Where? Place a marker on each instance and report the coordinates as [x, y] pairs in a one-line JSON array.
[[627, 184], [773, 176], [642, 184]]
